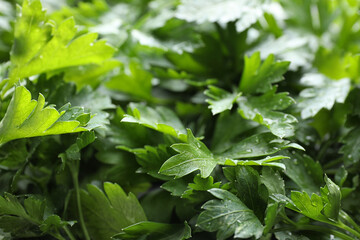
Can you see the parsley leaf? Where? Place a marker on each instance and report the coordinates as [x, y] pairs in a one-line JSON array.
[[193, 155], [160, 119], [229, 216], [322, 94], [28, 118], [39, 47], [106, 215], [258, 77], [221, 99]]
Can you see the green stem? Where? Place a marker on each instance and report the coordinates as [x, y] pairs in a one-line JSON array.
[[68, 233], [287, 219], [316, 229], [58, 236], [349, 229], [348, 219], [74, 174]]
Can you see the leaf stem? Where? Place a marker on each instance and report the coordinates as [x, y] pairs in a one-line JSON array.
[[348, 219], [74, 174], [349, 229], [68, 233]]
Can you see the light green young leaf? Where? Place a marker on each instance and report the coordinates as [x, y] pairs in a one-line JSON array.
[[257, 77], [37, 51], [106, 215], [244, 11], [331, 196], [323, 93], [156, 231], [229, 216], [221, 100], [263, 109], [310, 207], [26, 118], [193, 155], [268, 161], [160, 119], [199, 186]]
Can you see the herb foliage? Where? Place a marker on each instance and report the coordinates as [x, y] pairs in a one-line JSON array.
[[173, 120]]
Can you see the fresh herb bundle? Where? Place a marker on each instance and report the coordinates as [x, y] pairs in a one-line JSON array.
[[172, 120]]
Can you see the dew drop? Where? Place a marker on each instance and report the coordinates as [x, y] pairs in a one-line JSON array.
[[91, 44]]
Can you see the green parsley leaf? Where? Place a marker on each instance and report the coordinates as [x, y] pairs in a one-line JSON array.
[[229, 216], [331, 195], [322, 94], [28, 118], [106, 215], [258, 77], [160, 119], [37, 51], [222, 100], [193, 155], [264, 110], [196, 190], [310, 207]]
